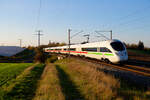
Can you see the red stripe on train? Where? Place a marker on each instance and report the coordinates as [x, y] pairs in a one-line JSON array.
[[67, 51]]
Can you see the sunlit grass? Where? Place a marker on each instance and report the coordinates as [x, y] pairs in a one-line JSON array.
[[48, 86], [92, 84], [96, 85]]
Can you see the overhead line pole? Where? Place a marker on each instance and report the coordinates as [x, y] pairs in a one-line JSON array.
[[70, 37], [39, 35], [20, 42], [88, 37], [69, 30], [111, 34]]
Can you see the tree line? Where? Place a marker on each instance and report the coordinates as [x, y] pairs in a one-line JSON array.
[[139, 46]]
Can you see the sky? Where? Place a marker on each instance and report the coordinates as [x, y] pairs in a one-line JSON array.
[[129, 20]]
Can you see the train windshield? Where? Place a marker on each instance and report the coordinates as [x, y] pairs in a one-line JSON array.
[[118, 46]]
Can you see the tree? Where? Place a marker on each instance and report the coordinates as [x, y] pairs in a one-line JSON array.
[[141, 45], [40, 55]]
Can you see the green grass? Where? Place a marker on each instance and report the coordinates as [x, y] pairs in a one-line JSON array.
[[25, 87], [9, 71]]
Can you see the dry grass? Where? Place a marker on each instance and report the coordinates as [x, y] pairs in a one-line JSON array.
[[48, 87], [76, 79], [93, 84]]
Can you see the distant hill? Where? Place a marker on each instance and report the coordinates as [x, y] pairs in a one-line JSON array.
[[10, 50], [26, 55]]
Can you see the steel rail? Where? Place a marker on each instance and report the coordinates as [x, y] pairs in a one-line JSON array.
[[130, 68], [144, 71]]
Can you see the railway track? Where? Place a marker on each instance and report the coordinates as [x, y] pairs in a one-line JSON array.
[[138, 70], [144, 71], [139, 63]]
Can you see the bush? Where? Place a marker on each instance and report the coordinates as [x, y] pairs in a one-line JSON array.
[[40, 55], [141, 45], [52, 59]]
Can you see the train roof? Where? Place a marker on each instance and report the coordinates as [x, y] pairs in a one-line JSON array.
[[94, 44]]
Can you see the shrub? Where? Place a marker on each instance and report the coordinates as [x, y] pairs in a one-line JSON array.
[[52, 59], [40, 55], [141, 45]]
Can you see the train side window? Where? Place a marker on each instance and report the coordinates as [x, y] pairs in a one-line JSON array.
[[104, 49], [89, 49], [57, 49], [72, 49]]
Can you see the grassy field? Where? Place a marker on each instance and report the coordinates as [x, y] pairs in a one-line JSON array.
[[66, 79], [9, 71], [25, 87], [18, 81]]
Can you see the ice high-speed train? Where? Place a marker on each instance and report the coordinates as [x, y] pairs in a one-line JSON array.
[[109, 51]]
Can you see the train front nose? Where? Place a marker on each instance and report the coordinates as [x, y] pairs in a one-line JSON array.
[[122, 56]]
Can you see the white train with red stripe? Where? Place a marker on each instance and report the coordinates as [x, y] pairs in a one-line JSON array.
[[110, 50]]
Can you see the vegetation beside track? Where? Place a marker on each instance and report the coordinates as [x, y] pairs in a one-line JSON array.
[[137, 52], [129, 91], [139, 56], [48, 86], [71, 79], [90, 83], [77, 74]]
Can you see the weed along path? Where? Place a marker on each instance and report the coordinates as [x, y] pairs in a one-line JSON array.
[[48, 86], [69, 88], [24, 86]]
